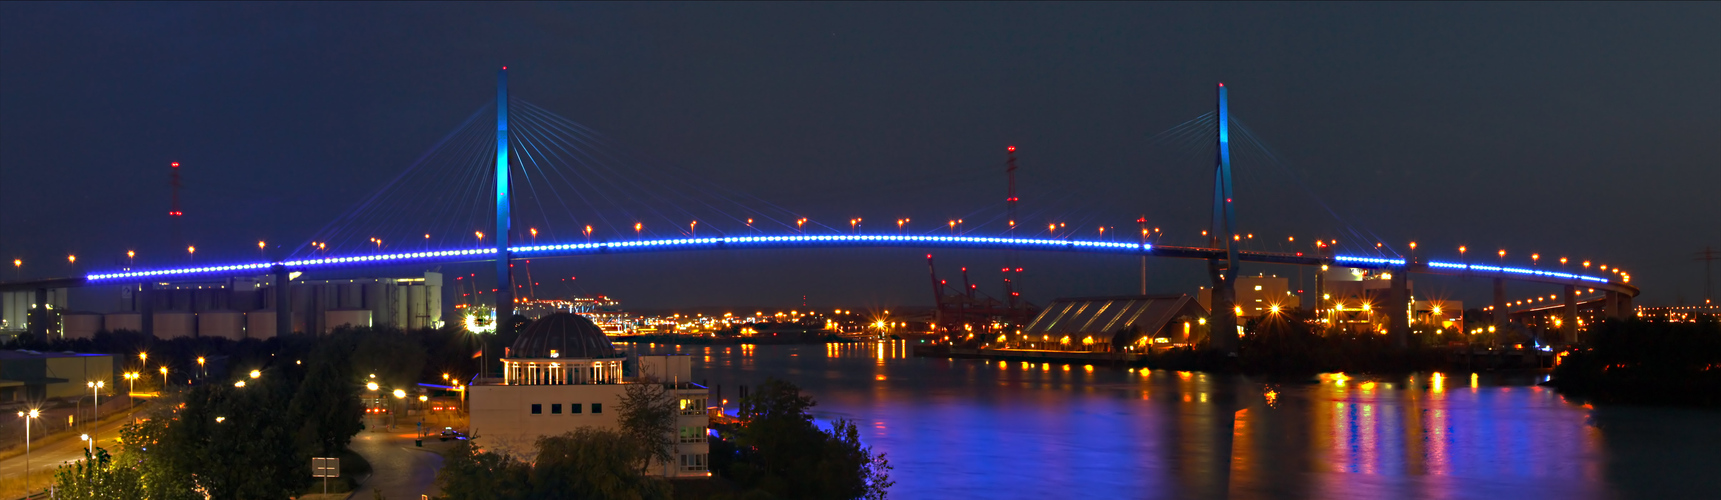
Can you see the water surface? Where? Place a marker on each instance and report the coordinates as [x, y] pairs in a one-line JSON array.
[[979, 429]]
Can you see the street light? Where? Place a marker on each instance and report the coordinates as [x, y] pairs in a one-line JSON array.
[[96, 394], [200, 369], [33, 413], [164, 379], [256, 373]]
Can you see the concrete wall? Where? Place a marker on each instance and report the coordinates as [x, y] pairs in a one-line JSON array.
[[347, 317], [78, 369], [123, 321], [223, 324], [82, 325], [502, 419], [667, 368], [175, 324]]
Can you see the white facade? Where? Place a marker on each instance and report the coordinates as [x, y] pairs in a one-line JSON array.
[[550, 396]]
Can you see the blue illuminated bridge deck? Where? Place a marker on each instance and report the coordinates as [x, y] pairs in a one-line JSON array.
[[861, 241]]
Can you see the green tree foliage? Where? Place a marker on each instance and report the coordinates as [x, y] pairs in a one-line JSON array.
[[99, 477], [587, 463], [218, 439], [778, 451], [647, 416], [1641, 362]]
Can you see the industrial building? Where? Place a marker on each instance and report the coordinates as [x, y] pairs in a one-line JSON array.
[[1258, 296], [562, 373], [1111, 324], [231, 308], [36, 376]]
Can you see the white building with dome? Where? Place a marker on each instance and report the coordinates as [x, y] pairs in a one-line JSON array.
[[562, 373]]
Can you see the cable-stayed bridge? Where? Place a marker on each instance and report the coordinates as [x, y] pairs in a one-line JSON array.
[[532, 184]]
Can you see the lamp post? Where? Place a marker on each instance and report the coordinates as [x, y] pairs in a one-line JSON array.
[[33, 413], [164, 379], [200, 371], [393, 418], [96, 395]]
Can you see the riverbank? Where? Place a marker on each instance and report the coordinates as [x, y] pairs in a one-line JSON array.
[[1645, 363]]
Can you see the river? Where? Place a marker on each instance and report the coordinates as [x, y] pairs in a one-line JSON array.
[[989, 429]]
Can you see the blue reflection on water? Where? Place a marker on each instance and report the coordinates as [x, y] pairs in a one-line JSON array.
[[987, 429]]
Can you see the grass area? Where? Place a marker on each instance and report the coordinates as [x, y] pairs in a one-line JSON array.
[[14, 486]]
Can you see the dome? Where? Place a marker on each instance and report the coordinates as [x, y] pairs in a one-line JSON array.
[[568, 335]]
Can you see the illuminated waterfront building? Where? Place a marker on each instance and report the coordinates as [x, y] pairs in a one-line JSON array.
[[562, 373]]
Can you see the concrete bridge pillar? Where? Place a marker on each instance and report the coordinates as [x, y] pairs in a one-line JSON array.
[[1501, 315], [1222, 320], [1611, 305], [1569, 319], [146, 307], [283, 302], [1397, 309]]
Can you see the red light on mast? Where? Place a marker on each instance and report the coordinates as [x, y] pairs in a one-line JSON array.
[[176, 164], [1011, 149]]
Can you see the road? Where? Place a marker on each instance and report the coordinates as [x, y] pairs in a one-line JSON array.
[[44, 458], [399, 469]]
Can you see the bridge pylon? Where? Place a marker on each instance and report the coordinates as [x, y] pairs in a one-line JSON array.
[[1222, 231], [504, 275]]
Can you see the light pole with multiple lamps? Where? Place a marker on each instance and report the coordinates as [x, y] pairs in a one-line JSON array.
[[96, 420], [33, 413]]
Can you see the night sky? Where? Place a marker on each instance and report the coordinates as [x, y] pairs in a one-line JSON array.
[[1584, 130]]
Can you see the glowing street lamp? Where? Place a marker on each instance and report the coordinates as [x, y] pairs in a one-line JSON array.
[[480, 236], [637, 226], [164, 379], [27, 416], [588, 233], [71, 259], [96, 393], [191, 252], [256, 373], [200, 370], [1461, 250]]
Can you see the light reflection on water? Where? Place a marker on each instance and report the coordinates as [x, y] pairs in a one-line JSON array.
[[990, 429]]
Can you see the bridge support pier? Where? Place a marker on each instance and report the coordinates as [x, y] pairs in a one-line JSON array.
[[1222, 320], [283, 301], [146, 308], [1501, 315], [1569, 315], [1397, 309], [1616, 305]]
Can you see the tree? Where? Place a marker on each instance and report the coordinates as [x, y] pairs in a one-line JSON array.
[[100, 476], [593, 463], [327, 404], [586, 463], [647, 417], [778, 450], [469, 474]]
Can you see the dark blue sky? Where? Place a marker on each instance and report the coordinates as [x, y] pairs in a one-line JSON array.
[[1586, 130]]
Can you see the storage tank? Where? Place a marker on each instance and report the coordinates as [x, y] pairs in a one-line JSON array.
[[127, 321], [260, 325], [336, 318], [81, 325], [224, 324], [175, 324]]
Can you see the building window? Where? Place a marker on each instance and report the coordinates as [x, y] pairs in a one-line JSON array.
[[575, 408], [556, 409], [597, 407], [537, 409], [692, 434], [694, 462], [693, 406]]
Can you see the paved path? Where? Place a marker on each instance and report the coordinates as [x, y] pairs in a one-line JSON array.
[[399, 469], [44, 458]]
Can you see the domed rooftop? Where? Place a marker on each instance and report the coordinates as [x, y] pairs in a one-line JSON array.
[[567, 335]]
